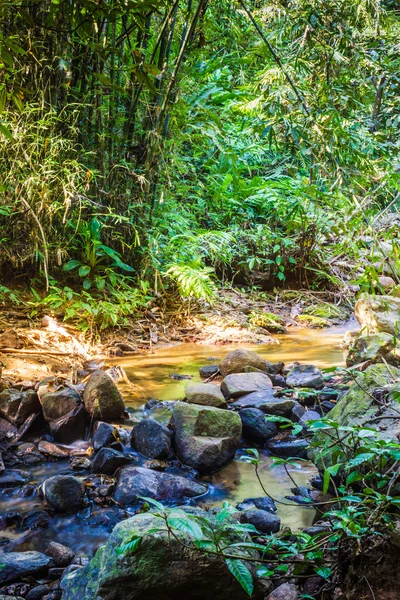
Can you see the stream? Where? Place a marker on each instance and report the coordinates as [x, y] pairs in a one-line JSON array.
[[151, 373]]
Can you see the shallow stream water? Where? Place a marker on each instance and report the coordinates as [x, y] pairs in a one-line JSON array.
[[151, 372]]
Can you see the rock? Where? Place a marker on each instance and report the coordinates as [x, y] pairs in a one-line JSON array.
[[80, 463], [152, 439], [267, 402], [29, 454], [14, 478], [138, 481], [7, 430], [107, 461], [306, 376], [62, 555], [313, 586], [263, 503], [70, 427], [16, 565], [378, 347], [297, 412], [206, 438], [285, 591], [378, 314], [278, 380], [208, 371], [2, 597], [104, 436], [326, 406], [239, 384], [309, 416], [102, 398], [49, 449], [236, 361], [386, 283], [56, 404], [16, 406], [288, 448], [35, 519], [64, 493], [263, 520], [162, 569], [254, 426], [208, 394], [38, 592]]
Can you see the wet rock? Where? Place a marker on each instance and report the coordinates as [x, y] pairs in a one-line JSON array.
[[278, 380], [107, 461], [2, 597], [328, 394], [262, 520], [236, 361], [267, 402], [239, 384], [54, 574], [104, 436], [288, 448], [38, 592], [308, 417], [375, 348], [106, 518], [208, 371], [307, 376], [297, 412], [16, 405], [70, 427], [105, 490], [206, 438], [162, 568], [285, 591], [62, 555], [14, 478], [152, 439], [27, 491], [327, 406], [16, 565], [156, 465], [102, 398], [255, 428], [80, 463], [56, 404], [7, 430], [64, 493], [35, 519], [207, 394], [53, 450], [29, 454], [313, 586], [137, 481], [263, 503], [378, 314]]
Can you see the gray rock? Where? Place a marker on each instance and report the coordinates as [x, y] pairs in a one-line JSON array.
[[307, 376], [152, 439], [104, 435], [239, 384], [309, 416], [208, 371], [297, 412], [38, 592], [16, 565], [208, 394], [255, 428], [14, 478], [378, 314], [288, 448], [133, 482], [62, 555], [7, 430], [374, 348], [35, 519], [236, 361], [64, 493], [263, 521], [69, 427], [17, 406], [285, 591], [267, 402], [56, 404], [102, 398], [263, 503], [107, 461], [206, 438], [29, 454]]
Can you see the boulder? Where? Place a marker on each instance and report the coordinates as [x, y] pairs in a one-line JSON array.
[[161, 569], [16, 565], [62, 555], [236, 361], [378, 347], [69, 427], [239, 384], [264, 521], [378, 314], [133, 482], [208, 371], [267, 402], [288, 448], [107, 461], [263, 503], [29, 454], [64, 493], [16, 406], [104, 435], [102, 398], [254, 426], [285, 591], [152, 439], [206, 438], [53, 450], [305, 376], [57, 403], [208, 394]]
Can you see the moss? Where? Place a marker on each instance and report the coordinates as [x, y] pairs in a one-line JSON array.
[[312, 321], [267, 320], [324, 310]]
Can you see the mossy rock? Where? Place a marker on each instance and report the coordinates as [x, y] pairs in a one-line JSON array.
[[312, 321], [325, 310], [378, 347], [270, 321]]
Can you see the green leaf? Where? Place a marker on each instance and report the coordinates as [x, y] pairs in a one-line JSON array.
[[71, 265], [130, 547], [241, 573], [187, 526], [84, 270], [324, 572], [87, 284]]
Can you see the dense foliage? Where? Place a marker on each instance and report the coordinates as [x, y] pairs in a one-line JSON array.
[[148, 145]]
